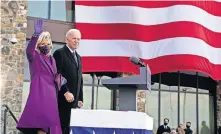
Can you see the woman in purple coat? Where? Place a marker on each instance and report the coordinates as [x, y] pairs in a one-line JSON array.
[[40, 115]]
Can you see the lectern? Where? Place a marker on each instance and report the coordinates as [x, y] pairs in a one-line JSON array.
[[127, 87]]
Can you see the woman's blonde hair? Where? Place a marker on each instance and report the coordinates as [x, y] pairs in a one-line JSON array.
[[45, 37], [180, 129]]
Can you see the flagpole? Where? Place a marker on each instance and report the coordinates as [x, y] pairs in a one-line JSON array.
[[92, 94], [98, 83]]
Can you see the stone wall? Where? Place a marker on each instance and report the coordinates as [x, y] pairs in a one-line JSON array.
[[141, 100], [13, 24]]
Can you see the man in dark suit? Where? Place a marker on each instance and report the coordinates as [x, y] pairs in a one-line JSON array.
[[187, 129], [69, 65], [164, 128]]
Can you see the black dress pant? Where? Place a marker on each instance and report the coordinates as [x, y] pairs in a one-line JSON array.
[[65, 114]]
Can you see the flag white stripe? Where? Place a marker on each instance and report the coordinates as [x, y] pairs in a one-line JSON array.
[[149, 50], [147, 16], [111, 119]]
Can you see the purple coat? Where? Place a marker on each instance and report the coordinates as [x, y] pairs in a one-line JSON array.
[[41, 110]]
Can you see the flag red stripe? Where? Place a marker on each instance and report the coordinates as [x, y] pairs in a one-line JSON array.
[[158, 65], [211, 7], [149, 33]]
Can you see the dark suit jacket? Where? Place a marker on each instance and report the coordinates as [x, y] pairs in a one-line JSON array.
[[161, 129], [188, 131], [66, 65]]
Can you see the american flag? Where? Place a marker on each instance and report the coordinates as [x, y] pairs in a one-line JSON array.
[[166, 35]]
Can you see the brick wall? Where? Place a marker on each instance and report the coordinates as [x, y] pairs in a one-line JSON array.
[[13, 24]]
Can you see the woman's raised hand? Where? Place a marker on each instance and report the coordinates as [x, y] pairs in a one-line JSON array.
[[38, 26]]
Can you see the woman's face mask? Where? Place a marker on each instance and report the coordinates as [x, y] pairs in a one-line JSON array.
[[44, 49]]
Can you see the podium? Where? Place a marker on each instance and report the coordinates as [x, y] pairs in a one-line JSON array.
[[128, 86]]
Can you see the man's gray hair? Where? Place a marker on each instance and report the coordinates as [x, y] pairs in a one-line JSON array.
[[71, 31]]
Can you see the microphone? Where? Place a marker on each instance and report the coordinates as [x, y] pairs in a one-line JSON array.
[[137, 61]]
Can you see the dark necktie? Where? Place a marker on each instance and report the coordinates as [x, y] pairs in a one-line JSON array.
[[75, 57]]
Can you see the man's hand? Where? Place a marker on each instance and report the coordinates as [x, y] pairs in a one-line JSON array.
[[80, 104], [69, 97]]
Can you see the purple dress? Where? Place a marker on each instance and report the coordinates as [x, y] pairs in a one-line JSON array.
[[41, 110]]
